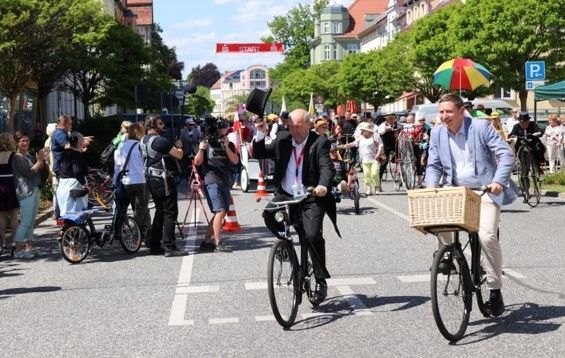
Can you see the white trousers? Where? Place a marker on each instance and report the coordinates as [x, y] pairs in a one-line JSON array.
[[491, 256], [554, 153]]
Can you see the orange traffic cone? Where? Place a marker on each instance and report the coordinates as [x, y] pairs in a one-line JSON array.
[[230, 222], [261, 187]]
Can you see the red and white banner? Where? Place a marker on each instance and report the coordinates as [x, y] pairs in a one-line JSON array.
[[249, 47]]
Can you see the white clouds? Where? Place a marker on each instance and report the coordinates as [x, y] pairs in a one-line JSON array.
[[221, 2]]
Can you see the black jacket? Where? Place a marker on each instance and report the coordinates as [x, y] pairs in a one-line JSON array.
[[317, 168]]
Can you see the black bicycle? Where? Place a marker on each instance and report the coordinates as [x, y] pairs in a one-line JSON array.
[[287, 279], [453, 283], [528, 172]]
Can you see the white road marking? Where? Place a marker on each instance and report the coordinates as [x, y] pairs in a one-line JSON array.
[[512, 273], [414, 278], [177, 312], [388, 208], [260, 285], [354, 302], [223, 320], [178, 308], [350, 281], [427, 277], [264, 318], [198, 289]]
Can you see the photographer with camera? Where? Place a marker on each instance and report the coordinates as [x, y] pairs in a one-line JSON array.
[[216, 155], [159, 157]]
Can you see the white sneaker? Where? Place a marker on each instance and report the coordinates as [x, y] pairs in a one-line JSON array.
[[236, 186], [369, 191]]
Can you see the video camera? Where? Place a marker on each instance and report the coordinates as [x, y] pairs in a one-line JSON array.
[[211, 126]]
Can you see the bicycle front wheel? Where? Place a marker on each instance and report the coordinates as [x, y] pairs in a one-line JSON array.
[[451, 292], [408, 166], [282, 282], [75, 244], [130, 236]]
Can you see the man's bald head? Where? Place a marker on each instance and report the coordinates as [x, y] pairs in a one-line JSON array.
[[299, 125]]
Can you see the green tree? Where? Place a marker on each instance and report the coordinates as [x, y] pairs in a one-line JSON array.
[[295, 30], [432, 42], [164, 67], [205, 76], [199, 103], [503, 35], [376, 77], [107, 69], [15, 44]]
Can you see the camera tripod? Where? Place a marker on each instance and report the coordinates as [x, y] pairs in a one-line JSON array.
[[195, 198]]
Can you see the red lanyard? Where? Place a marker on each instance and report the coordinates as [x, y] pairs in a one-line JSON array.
[[297, 161]]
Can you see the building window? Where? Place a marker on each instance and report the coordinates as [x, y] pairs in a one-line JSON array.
[[257, 74], [352, 48], [326, 52], [258, 84], [326, 27], [503, 93], [336, 26]]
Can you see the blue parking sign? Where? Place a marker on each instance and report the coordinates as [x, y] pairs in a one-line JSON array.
[[535, 70]]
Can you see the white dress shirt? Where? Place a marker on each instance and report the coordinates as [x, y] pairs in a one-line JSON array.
[[290, 178]]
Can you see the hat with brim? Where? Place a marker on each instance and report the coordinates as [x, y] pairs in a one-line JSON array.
[[320, 122], [367, 127], [524, 116], [189, 121]]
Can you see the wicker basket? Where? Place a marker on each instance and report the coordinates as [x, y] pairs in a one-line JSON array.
[[441, 208]]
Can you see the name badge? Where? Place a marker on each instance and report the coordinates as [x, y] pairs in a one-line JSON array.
[[298, 190]]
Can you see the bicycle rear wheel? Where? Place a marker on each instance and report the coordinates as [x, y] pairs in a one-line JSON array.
[[451, 293], [75, 244], [283, 282], [130, 236]]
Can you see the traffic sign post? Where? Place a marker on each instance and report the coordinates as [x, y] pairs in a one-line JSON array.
[[535, 70], [535, 74]]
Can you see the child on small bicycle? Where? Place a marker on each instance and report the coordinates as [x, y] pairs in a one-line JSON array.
[[371, 152]]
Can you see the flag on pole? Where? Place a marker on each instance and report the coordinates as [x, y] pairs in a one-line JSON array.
[[236, 123], [311, 105], [283, 106]]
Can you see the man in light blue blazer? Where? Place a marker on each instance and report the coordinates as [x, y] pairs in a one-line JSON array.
[[469, 152]]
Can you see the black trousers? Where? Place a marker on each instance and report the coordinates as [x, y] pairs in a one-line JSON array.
[[166, 212], [307, 219], [138, 197]]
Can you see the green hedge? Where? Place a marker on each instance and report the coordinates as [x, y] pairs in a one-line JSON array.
[[554, 179]]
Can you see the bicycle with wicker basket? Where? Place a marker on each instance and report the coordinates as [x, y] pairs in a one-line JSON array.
[[452, 209]]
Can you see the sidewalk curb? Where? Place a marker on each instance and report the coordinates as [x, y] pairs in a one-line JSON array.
[[43, 216], [552, 194]]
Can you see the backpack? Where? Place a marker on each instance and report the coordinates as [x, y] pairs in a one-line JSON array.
[[107, 158]]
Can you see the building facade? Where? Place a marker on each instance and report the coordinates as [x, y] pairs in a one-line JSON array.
[[138, 15], [335, 33], [237, 83]]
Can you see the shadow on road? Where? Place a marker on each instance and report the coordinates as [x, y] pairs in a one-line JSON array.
[[525, 318], [340, 306], [22, 290]]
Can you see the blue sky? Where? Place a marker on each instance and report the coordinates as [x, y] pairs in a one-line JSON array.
[[194, 27]]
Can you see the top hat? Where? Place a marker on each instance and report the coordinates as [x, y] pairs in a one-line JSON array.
[[524, 116], [257, 100]]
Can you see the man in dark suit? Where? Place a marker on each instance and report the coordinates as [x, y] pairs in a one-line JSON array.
[[302, 160]]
